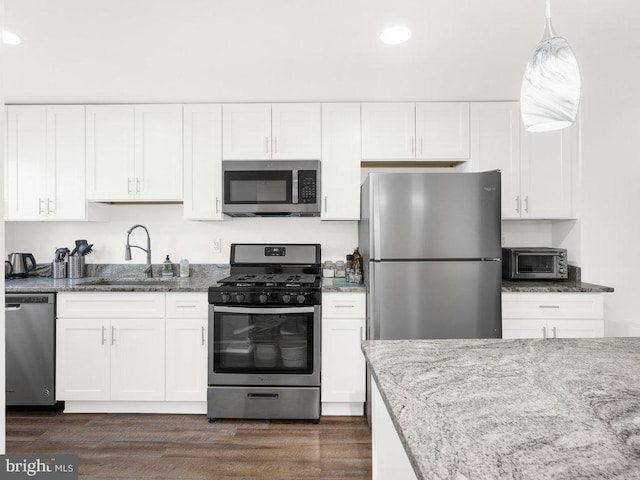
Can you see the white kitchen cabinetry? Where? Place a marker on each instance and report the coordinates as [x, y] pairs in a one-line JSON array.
[[134, 152], [340, 161], [46, 163], [536, 167], [408, 131], [552, 315], [202, 162], [343, 388], [186, 362], [282, 131]]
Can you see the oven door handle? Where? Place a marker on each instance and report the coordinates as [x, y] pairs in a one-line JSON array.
[[263, 311]]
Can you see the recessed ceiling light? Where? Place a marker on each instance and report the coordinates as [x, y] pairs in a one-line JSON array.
[[395, 35], [10, 38]]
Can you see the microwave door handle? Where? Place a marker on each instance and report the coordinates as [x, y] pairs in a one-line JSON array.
[[294, 186]]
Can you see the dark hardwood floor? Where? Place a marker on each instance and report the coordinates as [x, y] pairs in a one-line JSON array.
[[146, 446]]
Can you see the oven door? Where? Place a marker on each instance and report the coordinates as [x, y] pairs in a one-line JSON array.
[[264, 346], [535, 265]]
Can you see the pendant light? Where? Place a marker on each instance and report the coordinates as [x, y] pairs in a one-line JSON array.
[[550, 92]]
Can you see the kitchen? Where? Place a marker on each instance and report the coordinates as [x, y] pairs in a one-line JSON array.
[[146, 65]]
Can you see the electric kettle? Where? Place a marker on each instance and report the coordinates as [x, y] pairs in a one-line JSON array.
[[21, 264]]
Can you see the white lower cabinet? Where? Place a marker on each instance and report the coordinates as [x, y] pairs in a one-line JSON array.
[[119, 352], [552, 315], [343, 388]]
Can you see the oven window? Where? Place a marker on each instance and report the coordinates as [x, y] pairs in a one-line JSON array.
[[263, 343], [257, 187], [536, 264]]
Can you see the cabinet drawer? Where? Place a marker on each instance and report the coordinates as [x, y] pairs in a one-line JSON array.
[[552, 305], [343, 305], [110, 305], [187, 305]]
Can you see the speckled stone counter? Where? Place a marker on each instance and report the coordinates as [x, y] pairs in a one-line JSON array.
[[516, 409], [542, 286], [340, 285], [201, 277]]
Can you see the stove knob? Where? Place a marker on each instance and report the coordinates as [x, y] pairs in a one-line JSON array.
[[300, 298], [286, 298], [239, 298], [226, 297], [262, 298]]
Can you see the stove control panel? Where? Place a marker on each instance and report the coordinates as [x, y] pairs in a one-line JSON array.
[[264, 298]]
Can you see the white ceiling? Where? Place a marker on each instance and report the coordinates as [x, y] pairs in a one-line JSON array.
[[276, 50]]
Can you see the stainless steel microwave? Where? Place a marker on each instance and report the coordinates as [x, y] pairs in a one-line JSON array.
[[271, 188], [538, 263]]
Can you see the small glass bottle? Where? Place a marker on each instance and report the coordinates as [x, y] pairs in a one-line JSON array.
[[356, 266], [347, 270], [167, 268], [340, 268]]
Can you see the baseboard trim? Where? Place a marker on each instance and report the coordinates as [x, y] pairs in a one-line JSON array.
[[196, 408], [343, 409]]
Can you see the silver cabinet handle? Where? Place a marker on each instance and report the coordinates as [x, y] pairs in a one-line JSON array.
[[202, 335], [518, 204], [138, 185], [548, 306], [217, 205], [40, 202], [325, 204], [49, 203], [420, 144], [345, 306], [526, 204], [266, 144], [113, 335], [544, 332], [128, 186], [413, 145], [275, 144], [361, 337], [554, 332], [104, 334]]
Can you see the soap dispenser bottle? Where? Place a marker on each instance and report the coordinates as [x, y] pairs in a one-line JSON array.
[[167, 268]]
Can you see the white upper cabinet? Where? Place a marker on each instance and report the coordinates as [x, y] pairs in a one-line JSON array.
[[536, 167], [388, 131], [340, 161], [203, 162], [286, 131], [134, 152], [495, 145], [442, 130], [46, 163], [422, 131]]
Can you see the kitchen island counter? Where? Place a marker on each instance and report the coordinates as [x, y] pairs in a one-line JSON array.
[[517, 409]]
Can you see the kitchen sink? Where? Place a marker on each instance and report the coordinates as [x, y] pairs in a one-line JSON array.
[[125, 282]]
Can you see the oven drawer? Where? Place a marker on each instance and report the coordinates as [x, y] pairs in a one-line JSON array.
[[263, 402], [343, 305]]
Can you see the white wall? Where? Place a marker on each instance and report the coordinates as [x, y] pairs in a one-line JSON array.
[[172, 235]]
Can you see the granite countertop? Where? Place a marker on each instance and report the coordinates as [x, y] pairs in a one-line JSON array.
[[516, 409], [339, 284], [550, 286]]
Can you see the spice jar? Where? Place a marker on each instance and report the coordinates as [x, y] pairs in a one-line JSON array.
[[340, 269], [328, 269]]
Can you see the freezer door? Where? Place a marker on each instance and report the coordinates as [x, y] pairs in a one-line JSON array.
[[435, 215], [435, 299]]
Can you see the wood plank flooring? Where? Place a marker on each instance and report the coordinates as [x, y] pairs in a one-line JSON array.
[[146, 446]]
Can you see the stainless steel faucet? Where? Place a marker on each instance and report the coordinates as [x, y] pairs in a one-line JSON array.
[[127, 253]]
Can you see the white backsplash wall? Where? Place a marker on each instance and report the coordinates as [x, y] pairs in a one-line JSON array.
[[527, 233], [172, 235]]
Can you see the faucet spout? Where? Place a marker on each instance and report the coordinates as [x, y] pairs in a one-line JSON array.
[[147, 271]]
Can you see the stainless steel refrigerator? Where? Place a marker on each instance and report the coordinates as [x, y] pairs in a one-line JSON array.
[[432, 255]]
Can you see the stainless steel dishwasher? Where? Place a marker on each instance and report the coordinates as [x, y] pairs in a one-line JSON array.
[[30, 328]]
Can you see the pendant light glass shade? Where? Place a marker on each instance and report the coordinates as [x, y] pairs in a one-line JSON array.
[[550, 92]]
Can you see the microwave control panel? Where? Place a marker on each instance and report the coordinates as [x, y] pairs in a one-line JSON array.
[[307, 186]]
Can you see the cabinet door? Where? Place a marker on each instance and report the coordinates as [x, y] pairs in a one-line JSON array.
[[388, 131], [186, 360], [246, 131], [82, 359], [343, 364], [546, 172], [524, 328], [158, 152], [26, 162], [340, 161], [295, 131], [110, 152], [442, 130], [137, 359], [66, 198], [575, 328], [495, 144], [202, 162]]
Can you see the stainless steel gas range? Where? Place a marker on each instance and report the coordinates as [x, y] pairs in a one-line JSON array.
[[264, 334]]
